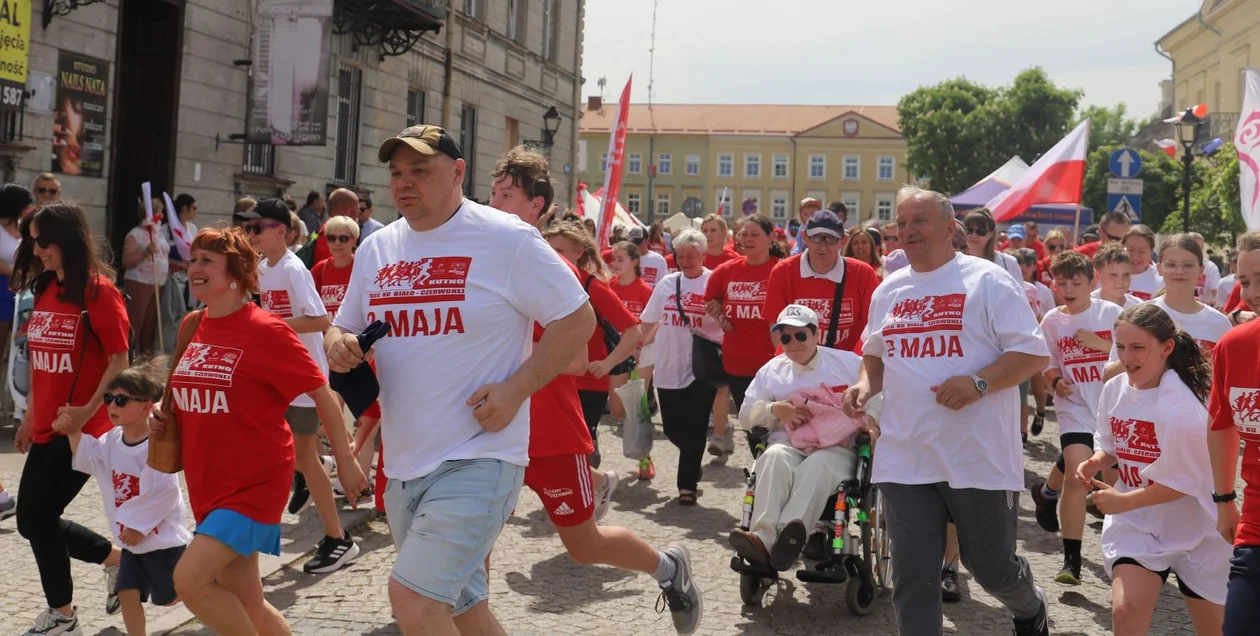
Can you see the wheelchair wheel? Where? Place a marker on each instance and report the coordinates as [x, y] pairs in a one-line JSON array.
[[860, 596], [751, 589], [881, 557]]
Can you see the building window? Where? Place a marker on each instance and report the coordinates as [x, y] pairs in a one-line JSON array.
[[750, 202], [475, 9], [885, 169], [852, 168], [853, 203], [260, 159], [723, 203], [415, 106], [662, 205], [693, 165], [517, 18], [884, 207], [632, 203], [346, 157], [603, 162], [780, 167], [752, 166], [468, 146], [726, 165], [817, 167], [778, 205], [664, 164], [511, 132], [635, 165], [551, 29]]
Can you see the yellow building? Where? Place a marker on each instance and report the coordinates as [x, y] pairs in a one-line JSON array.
[[1209, 51], [680, 157]]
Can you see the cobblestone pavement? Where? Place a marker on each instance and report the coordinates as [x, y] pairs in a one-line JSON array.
[[536, 589]]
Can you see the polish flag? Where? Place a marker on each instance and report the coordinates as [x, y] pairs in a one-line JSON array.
[[183, 242], [1168, 146], [612, 179], [1057, 177]]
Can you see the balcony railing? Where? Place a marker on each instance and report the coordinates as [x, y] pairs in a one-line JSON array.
[[1217, 125]]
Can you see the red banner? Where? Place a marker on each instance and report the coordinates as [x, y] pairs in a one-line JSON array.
[[612, 178]]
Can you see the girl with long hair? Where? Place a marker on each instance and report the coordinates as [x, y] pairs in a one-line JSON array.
[[863, 248], [634, 293], [982, 241], [1160, 514], [1180, 266], [77, 337]]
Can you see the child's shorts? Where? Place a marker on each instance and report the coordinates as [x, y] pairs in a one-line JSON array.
[[153, 573]]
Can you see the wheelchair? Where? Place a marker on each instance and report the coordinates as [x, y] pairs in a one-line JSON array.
[[859, 559]]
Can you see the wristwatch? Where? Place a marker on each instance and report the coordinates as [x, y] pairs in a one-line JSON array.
[[1226, 498], [982, 386], [1234, 314]]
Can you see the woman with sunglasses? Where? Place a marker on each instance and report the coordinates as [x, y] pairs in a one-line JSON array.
[[146, 257], [982, 241], [77, 337]]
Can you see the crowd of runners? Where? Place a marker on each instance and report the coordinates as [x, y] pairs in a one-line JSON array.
[[478, 348]]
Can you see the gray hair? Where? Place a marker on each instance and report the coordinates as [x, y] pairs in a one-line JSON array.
[[910, 193], [690, 238]]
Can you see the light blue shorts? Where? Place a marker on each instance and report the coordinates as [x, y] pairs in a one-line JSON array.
[[244, 535], [444, 525]]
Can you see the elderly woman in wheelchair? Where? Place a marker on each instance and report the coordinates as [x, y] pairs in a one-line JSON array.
[[807, 450]]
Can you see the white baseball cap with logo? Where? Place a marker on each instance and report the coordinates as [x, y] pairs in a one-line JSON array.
[[796, 316]]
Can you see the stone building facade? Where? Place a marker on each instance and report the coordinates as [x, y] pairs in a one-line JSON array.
[[179, 72]]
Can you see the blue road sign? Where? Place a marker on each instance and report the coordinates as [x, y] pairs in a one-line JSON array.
[[1125, 163], [1130, 204]]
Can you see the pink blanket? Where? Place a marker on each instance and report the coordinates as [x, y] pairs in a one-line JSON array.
[[829, 426]]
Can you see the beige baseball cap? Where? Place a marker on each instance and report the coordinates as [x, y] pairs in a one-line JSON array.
[[424, 139]]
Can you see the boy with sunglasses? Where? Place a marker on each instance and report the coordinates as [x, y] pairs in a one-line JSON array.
[[288, 290]]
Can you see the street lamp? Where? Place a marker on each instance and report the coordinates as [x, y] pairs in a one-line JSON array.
[[1187, 125], [551, 125]]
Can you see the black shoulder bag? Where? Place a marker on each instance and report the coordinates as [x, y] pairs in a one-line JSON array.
[[834, 322], [706, 355], [612, 337]]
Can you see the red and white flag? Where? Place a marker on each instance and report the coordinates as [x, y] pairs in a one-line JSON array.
[[1057, 177], [1247, 142], [183, 242], [1168, 146], [721, 211], [612, 178]]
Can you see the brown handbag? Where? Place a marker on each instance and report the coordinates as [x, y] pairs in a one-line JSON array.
[[166, 448]]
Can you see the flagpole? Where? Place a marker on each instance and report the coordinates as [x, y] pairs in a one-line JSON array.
[[1076, 226], [157, 295]]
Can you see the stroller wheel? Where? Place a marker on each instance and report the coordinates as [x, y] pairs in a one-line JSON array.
[[751, 588]]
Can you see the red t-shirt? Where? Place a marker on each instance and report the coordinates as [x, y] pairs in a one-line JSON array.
[[742, 289], [608, 306], [1038, 247], [331, 282], [231, 389], [57, 339], [1089, 249], [607, 256], [710, 261], [1235, 401], [1235, 300], [634, 296], [321, 245], [556, 424], [788, 287]]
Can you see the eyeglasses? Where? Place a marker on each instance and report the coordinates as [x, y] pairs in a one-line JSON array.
[[344, 238], [977, 230], [42, 241], [800, 336], [52, 191], [1179, 267], [1054, 247], [257, 228], [824, 239], [120, 400], [890, 238]]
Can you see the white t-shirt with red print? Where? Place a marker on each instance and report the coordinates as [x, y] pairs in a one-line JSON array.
[[1159, 435], [288, 291], [1209, 280], [135, 496], [1129, 299], [1206, 327], [931, 326], [672, 346], [1078, 363], [1146, 284], [654, 267], [460, 301]]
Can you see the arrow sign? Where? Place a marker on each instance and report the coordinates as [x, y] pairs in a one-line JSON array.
[[1125, 163]]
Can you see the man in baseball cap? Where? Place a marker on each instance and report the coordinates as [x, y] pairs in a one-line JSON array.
[[424, 139], [825, 223]]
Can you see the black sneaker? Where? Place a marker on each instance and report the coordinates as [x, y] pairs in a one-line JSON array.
[[332, 554], [1047, 509], [1038, 626], [951, 592], [1071, 572], [1038, 423], [301, 494], [816, 547]]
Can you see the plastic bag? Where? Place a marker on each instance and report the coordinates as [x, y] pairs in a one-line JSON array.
[[637, 431]]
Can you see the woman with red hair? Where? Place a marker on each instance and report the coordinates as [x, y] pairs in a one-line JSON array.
[[231, 388]]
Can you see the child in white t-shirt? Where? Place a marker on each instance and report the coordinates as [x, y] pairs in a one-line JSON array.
[[1160, 514], [1078, 335], [145, 507], [1115, 275]]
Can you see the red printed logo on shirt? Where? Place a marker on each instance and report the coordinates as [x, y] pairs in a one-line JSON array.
[[744, 299], [51, 330], [1207, 347], [1073, 352], [277, 302], [125, 487], [428, 280], [650, 274], [633, 306], [208, 364], [930, 313], [1245, 402], [693, 304], [1135, 440], [332, 295], [1143, 296]]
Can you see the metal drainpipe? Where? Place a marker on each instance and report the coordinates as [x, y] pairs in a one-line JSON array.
[[577, 103], [448, 64], [1173, 76]]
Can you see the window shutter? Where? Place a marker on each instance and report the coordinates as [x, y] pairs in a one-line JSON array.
[[522, 19]]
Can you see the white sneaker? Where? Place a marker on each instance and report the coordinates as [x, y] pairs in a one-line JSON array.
[[52, 623], [329, 464], [603, 497], [112, 604], [723, 444]]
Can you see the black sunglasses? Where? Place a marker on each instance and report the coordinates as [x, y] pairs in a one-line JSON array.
[[800, 336], [343, 238], [42, 241], [47, 190], [977, 230], [120, 399], [257, 228]]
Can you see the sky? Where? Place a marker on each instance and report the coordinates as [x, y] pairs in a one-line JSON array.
[[872, 53]]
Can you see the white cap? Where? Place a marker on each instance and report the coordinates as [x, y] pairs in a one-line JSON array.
[[796, 316]]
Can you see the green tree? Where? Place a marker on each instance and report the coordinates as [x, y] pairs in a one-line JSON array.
[[1161, 184], [1108, 126], [958, 131], [1215, 205]]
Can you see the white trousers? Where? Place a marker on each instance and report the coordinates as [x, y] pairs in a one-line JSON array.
[[792, 485]]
